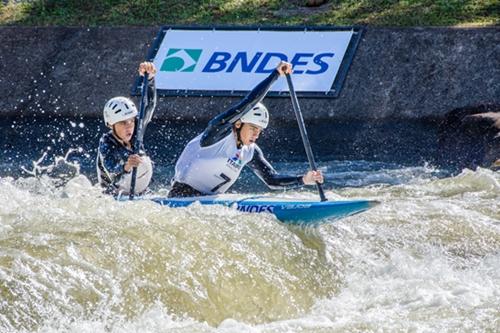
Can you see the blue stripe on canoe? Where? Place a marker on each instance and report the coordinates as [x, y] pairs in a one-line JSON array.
[[291, 212]]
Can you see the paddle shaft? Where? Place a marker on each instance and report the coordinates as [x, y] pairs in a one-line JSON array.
[[303, 133], [138, 131]]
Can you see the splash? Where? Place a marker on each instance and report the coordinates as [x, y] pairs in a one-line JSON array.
[[75, 260], [60, 168]]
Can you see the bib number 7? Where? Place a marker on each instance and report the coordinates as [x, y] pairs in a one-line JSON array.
[[226, 180]]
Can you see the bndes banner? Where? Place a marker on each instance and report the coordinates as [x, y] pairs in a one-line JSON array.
[[226, 62]]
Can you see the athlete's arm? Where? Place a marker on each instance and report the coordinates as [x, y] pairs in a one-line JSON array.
[[112, 160], [151, 102], [220, 126], [264, 170], [150, 68]]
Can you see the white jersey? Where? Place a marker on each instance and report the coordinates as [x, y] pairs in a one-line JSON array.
[[212, 169]]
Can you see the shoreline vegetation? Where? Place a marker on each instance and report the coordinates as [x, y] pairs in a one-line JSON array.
[[395, 13]]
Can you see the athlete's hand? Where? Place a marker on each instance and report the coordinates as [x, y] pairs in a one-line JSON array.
[[497, 163], [147, 67], [284, 68], [311, 177], [132, 162]]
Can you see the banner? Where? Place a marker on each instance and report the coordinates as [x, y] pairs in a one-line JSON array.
[[227, 62]]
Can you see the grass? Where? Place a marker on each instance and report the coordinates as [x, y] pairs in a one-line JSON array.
[[260, 12]]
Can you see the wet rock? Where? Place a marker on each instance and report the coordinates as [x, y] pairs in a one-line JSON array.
[[470, 137]]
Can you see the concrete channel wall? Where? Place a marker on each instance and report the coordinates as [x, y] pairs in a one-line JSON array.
[[407, 73]]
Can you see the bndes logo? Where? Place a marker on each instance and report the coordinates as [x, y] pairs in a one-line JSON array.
[[181, 60], [185, 60], [256, 208], [260, 62]]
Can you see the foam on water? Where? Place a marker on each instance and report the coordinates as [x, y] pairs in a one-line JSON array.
[[427, 259]]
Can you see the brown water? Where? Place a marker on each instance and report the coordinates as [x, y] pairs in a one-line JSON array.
[[426, 260]]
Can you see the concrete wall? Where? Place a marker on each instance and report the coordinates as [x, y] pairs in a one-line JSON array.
[[397, 73]]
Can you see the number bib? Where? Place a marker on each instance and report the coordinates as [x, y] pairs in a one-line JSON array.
[[215, 168], [142, 180]]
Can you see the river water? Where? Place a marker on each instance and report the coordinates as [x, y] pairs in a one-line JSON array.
[[74, 260]]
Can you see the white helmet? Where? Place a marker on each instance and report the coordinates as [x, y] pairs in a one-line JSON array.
[[118, 109], [258, 116]]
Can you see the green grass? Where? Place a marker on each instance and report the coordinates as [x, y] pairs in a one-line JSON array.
[[261, 12]]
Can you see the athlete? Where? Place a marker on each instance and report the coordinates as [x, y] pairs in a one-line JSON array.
[[212, 161], [115, 156]]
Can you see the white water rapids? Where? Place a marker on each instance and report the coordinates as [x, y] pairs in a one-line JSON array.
[[426, 260]]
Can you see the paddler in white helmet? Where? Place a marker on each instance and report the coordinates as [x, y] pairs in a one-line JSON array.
[[115, 156], [212, 161]]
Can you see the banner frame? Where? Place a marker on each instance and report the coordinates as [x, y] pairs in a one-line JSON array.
[[334, 91]]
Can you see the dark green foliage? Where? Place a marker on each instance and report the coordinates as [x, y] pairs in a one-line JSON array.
[[278, 12]]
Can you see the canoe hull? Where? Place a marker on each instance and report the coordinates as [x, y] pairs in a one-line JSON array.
[[289, 211]]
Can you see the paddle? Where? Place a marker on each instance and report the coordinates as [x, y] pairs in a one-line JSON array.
[[303, 132], [139, 130]]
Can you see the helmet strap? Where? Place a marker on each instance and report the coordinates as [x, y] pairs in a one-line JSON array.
[[237, 130]]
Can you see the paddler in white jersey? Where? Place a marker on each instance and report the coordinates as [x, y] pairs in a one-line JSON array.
[[213, 160]]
